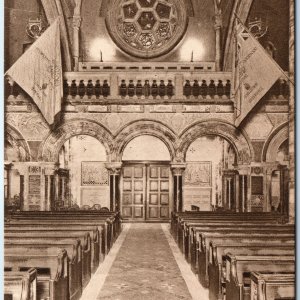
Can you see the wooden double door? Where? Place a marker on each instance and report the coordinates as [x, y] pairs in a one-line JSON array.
[[145, 191]]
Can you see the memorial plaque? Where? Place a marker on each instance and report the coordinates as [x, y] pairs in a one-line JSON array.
[[257, 185], [34, 185], [91, 196]]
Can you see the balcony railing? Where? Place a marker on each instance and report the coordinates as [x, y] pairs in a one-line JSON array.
[[147, 83]]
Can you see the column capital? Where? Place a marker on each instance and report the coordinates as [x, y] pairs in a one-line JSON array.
[[178, 168], [114, 167], [218, 21]]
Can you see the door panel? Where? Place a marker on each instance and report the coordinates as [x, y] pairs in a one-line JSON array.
[[158, 192], [146, 192], [133, 194]]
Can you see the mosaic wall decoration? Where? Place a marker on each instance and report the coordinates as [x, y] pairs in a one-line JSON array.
[[198, 174], [93, 173], [147, 28]]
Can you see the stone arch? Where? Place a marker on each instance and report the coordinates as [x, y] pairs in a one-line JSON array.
[[276, 138], [17, 141], [144, 127], [237, 138], [49, 150]]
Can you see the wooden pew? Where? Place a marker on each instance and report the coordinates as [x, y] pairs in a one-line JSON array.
[[191, 242], [235, 237], [239, 267], [183, 225], [94, 231], [43, 255], [177, 218], [56, 240], [20, 285], [217, 251], [49, 231], [84, 237], [51, 285], [270, 286], [106, 238], [109, 221], [113, 218]]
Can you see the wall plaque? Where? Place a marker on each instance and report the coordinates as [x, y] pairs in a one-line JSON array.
[[257, 185], [94, 173], [198, 174], [95, 195]]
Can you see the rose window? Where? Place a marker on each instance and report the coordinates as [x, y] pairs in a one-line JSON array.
[[147, 28]]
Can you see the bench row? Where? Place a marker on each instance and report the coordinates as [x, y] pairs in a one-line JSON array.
[[64, 248], [232, 252]]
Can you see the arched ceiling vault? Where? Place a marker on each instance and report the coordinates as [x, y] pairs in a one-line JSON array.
[[241, 8], [54, 9]]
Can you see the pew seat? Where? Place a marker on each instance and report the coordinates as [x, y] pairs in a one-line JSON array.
[[20, 285], [272, 286], [51, 270]]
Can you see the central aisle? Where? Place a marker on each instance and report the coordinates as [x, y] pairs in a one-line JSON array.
[[144, 268], [145, 263]]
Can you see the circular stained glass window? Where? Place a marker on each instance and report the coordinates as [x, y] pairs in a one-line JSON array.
[[147, 28]]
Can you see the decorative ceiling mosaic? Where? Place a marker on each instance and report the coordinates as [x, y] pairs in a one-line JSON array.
[[147, 28]]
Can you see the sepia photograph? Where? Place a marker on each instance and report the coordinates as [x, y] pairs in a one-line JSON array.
[[149, 150]]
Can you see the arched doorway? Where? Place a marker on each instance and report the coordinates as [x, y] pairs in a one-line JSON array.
[[16, 152], [84, 158], [146, 180], [209, 177], [279, 200]]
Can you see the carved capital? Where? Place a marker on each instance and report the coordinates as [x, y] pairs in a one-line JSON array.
[[114, 168], [76, 22], [178, 169], [218, 21]]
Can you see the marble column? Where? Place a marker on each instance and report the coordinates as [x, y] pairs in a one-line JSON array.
[[292, 114], [178, 170], [114, 184], [76, 28], [218, 25]]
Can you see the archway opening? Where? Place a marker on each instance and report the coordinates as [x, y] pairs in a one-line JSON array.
[[146, 148], [83, 179], [209, 175], [146, 180], [280, 181], [13, 181]]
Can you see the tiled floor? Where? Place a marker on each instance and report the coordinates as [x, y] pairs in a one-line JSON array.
[[146, 265]]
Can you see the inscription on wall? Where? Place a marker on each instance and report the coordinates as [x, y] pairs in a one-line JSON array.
[[34, 191]]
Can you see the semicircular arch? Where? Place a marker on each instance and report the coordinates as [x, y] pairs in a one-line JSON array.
[[237, 138], [17, 141], [272, 144], [49, 150], [144, 127]]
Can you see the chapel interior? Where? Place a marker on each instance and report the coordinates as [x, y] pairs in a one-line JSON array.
[[143, 153]]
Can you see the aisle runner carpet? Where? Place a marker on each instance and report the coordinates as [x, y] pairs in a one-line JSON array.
[[144, 268]]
